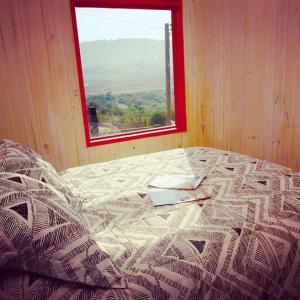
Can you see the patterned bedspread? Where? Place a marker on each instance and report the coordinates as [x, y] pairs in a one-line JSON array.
[[243, 243]]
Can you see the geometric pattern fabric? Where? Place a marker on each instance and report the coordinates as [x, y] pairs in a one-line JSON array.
[[242, 243], [20, 159], [40, 233]]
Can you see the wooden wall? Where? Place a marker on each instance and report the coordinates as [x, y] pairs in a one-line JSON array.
[[248, 74], [242, 79], [39, 91]]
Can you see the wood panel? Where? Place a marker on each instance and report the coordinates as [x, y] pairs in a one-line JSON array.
[[39, 99], [242, 81], [250, 77]]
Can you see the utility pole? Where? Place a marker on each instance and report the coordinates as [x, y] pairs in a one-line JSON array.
[[168, 76]]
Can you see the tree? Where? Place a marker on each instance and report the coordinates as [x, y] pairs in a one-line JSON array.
[[136, 115], [158, 118]]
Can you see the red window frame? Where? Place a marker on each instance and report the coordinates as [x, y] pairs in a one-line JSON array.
[[175, 6]]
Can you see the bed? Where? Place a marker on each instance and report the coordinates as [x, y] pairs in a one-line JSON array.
[[242, 243]]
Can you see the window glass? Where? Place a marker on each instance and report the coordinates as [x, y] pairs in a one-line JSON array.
[[127, 65]]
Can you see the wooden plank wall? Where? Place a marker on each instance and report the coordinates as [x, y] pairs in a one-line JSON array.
[[249, 76], [242, 79], [39, 91]]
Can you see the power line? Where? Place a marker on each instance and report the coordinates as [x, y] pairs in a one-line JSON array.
[[119, 20]]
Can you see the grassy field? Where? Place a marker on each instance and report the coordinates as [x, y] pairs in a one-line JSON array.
[[123, 111]]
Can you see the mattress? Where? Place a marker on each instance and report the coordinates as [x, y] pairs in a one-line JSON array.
[[242, 243]]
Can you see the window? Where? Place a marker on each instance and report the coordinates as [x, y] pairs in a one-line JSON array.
[[131, 68]]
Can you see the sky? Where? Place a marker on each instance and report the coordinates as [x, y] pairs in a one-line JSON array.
[[110, 24]]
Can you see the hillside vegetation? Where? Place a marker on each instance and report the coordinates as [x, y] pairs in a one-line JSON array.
[[125, 80]]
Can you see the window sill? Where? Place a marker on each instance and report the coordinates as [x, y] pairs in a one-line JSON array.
[[133, 135]]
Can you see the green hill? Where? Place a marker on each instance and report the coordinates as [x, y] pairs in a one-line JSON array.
[[123, 65]]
